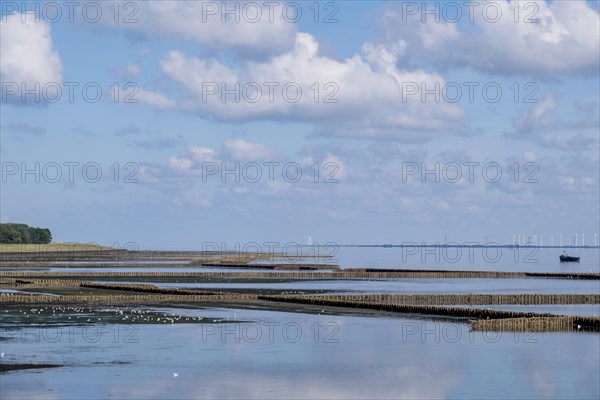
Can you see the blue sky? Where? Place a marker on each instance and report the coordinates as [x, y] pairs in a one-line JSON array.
[[365, 142]]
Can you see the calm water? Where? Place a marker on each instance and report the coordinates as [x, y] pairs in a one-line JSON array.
[[269, 354], [484, 259], [409, 285], [306, 356]]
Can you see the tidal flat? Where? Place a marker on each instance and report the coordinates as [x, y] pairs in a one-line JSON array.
[[169, 332]]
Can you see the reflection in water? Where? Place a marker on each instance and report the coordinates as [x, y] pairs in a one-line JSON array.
[[296, 356], [480, 259], [471, 285]]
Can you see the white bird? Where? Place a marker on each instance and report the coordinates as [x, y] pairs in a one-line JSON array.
[[1, 355], [578, 326], [175, 374]]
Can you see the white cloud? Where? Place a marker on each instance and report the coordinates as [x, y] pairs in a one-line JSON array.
[[529, 156], [334, 168], [206, 22], [539, 122], [201, 154], [564, 41], [371, 189], [239, 149], [214, 170], [539, 117], [154, 99], [28, 56], [361, 96], [190, 162], [578, 183], [131, 70], [180, 164]]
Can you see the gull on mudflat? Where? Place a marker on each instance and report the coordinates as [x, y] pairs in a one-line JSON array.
[[175, 374]]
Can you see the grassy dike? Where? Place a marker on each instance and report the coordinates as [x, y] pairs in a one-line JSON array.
[[52, 247]]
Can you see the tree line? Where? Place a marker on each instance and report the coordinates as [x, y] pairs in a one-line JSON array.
[[24, 234]]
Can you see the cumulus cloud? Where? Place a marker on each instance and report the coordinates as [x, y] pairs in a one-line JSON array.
[[239, 172], [540, 123], [237, 153], [190, 161], [241, 150], [578, 183], [201, 154], [254, 30], [539, 117], [560, 37], [363, 96], [180, 164], [156, 100], [132, 70], [28, 57], [380, 191]]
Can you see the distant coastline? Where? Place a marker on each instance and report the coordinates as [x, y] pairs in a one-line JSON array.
[[474, 245]]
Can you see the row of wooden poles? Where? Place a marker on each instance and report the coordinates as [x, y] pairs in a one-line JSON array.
[[286, 267], [559, 323], [123, 298], [131, 287], [336, 274], [506, 320], [424, 304], [480, 319], [418, 299], [461, 299]]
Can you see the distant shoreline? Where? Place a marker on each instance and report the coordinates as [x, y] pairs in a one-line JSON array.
[[92, 247], [28, 247], [456, 245]]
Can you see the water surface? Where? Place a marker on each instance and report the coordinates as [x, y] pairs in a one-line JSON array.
[[319, 356], [471, 285]]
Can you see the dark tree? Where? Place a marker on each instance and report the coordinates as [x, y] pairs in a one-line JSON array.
[[24, 234]]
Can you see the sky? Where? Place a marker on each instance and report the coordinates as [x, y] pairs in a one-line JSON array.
[[177, 125]]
